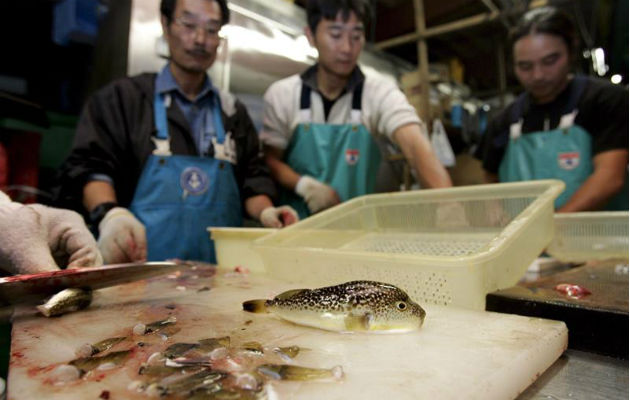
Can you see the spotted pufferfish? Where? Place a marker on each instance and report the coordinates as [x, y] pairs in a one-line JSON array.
[[357, 306]]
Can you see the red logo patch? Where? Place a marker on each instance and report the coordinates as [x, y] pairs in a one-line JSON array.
[[569, 160], [352, 156]]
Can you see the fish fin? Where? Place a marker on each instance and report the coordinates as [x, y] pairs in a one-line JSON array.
[[288, 294], [255, 306], [359, 322]]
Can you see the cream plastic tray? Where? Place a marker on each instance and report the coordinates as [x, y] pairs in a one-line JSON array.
[[233, 247], [588, 236], [443, 246]]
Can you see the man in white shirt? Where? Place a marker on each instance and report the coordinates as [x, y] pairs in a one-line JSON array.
[[321, 127]]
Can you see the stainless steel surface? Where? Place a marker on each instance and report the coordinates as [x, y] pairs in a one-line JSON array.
[[579, 375]]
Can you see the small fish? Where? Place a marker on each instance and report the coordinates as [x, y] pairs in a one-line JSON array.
[[179, 349], [253, 347], [295, 373], [207, 345], [287, 353], [160, 325], [86, 364], [162, 370], [349, 307], [218, 393], [156, 326], [66, 301], [201, 379], [91, 349]]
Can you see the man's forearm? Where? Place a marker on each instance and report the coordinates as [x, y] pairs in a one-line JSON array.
[[97, 192], [420, 156], [256, 204], [608, 178], [431, 173], [281, 171], [593, 194]]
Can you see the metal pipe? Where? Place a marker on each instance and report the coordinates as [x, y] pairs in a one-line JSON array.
[[461, 24], [438, 30], [423, 59], [502, 74], [490, 5]]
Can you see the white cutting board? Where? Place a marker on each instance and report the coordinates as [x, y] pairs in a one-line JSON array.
[[457, 354]]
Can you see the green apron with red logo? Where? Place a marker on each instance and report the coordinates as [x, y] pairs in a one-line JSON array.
[[562, 153], [344, 156]]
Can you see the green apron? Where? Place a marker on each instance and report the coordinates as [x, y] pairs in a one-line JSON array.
[[344, 156], [562, 153]]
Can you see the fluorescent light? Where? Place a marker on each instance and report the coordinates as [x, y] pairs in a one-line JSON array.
[[599, 61], [616, 79]]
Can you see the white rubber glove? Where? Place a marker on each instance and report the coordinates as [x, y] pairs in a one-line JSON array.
[[277, 217], [35, 238], [122, 238], [317, 195]]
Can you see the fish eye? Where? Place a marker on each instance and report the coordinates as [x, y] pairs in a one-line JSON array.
[[401, 306]]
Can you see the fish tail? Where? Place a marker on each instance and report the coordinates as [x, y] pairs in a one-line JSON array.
[[255, 306]]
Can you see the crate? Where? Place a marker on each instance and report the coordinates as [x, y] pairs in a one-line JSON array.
[[442, 246], [233, 247], [585, 236]]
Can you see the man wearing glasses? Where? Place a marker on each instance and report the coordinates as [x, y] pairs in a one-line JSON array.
[[159, 158]]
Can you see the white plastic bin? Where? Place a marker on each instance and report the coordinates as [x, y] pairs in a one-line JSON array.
[[443, 246], [585, 236], [233, 247]]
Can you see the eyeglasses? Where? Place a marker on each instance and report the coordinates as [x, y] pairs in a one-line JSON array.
[[211, 29]]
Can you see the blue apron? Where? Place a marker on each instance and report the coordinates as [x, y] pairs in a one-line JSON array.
[[344, 156], [179, 196], [562, 153]]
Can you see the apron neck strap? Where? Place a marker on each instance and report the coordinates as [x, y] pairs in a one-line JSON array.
[[215, 114], [577, 88], [159, 114], [305, 103]]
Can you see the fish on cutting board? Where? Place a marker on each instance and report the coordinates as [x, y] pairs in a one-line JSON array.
[[357, 306], [68, 300]]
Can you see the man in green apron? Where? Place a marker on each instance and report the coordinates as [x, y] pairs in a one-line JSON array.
[[565, 126], [323, 129]]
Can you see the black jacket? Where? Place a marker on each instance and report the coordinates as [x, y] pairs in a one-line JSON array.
[[113, 137]]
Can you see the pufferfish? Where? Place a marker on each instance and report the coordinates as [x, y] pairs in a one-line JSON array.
[[357, 306]]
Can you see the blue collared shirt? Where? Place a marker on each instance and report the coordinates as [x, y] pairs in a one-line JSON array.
[[198, 112]]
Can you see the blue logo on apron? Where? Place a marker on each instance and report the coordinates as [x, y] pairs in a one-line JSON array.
[[194, 180]]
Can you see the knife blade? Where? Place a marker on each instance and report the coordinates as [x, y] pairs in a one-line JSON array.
[[21, 289]]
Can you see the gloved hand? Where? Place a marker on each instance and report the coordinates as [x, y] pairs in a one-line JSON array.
[[277, 217], [317, 195], [122, 238], [35, 238]]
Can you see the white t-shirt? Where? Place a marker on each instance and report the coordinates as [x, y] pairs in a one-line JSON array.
[[384, 108]]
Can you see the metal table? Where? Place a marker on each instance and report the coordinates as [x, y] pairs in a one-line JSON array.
[[581, 375]]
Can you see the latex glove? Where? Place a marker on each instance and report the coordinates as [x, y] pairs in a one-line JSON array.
[[317, 195], [277, 217], [35, 238], [122, 238]]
